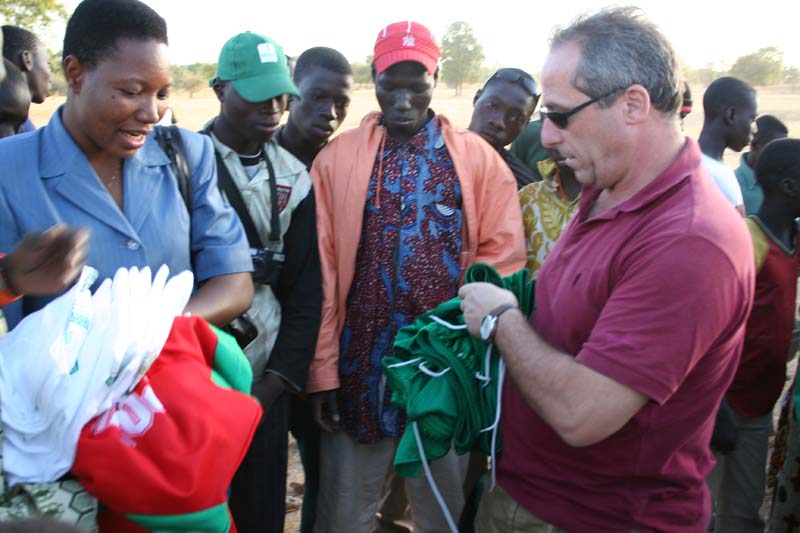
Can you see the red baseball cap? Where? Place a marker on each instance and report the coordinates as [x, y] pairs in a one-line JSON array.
[[406, 41]]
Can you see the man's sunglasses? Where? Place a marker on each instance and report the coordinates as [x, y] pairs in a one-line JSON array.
[[560, 119], [513, 76]]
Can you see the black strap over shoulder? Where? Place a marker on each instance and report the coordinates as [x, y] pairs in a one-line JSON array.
[[226, 185], [275, 222], [170, 140], [230, 189]]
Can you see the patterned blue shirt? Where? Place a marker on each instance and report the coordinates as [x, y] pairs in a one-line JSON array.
[[408, 262]]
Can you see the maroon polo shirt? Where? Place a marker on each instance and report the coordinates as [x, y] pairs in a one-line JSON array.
[[654, 294]]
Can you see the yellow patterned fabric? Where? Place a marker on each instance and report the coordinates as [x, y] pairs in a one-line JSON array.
[[546, 211]]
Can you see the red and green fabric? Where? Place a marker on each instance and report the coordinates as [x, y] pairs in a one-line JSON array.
[[162, 460]]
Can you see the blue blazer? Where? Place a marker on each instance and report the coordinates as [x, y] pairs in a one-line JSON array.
[[46, 179]]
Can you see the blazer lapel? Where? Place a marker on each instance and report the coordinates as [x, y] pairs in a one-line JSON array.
[[83, 189], [140, 190], [67, 172]]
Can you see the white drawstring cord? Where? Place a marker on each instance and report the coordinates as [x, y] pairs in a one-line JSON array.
[[501, 372], [431, 482], [487, 357], [431, 373], [447, 324], [405, 363]]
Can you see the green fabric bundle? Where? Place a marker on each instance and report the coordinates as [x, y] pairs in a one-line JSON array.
[[438, 376]]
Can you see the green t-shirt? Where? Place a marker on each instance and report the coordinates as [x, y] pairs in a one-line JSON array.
[[528, 147]]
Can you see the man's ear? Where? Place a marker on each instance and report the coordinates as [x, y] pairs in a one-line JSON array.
[[219, 88], [25, 61], [436, 77], [729, 116], [636, 101], [374, 73], [74, 73], [477, 95], [789, 187]]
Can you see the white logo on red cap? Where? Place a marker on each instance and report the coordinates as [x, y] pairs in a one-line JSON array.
[[409, 40]]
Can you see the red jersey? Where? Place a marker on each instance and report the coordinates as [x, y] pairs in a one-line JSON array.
[[761, 374]]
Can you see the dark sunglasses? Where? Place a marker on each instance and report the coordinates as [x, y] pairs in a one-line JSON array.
[[560, 119], [513, 76]]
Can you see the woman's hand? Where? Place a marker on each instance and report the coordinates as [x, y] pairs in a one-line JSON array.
[[46, 262]]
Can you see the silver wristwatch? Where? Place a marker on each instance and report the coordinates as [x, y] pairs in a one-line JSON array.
[[489, 322]]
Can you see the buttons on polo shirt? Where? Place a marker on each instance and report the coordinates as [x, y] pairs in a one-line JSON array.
[[132, 245]]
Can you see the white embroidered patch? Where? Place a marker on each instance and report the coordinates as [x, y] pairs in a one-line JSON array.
[[409, 40], [267, 53]]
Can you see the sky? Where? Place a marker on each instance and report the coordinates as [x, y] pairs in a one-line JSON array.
[[514, 33]]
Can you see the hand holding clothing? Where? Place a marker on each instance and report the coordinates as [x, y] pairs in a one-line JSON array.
[[46, 262]]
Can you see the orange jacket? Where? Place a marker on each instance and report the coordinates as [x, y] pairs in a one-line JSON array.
[[492, 221]]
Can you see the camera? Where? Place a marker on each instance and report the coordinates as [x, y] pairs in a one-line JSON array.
[[267, 265]]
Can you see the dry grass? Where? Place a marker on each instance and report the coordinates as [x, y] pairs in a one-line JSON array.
[[781, 101]]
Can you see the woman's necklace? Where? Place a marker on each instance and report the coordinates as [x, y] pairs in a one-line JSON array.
[[111, 180]]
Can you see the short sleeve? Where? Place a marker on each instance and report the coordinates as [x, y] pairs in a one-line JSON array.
[[672, 302], [219, 244]]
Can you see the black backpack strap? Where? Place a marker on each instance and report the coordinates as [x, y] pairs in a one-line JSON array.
[[170, 140]]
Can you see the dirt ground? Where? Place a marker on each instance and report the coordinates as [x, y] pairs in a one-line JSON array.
[[293, 500]]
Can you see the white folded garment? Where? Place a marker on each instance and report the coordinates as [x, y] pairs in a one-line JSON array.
[[75, 358]]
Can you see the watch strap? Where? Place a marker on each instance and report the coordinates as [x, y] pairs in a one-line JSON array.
[[495, 313]]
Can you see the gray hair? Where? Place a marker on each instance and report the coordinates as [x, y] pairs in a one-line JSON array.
[[619, 48]]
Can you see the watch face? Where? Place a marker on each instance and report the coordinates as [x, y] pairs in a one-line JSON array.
[[487, 326]]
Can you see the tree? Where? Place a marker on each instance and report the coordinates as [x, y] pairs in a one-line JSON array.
[[704, 76], [362, 72], [462, 56], [764, 67], [791, 75], [58, 84], [192, 78], [32, 14]]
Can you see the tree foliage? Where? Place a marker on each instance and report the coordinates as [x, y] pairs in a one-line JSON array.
[[362, 72], [32, 14], [764, 67], [462, 56], [791, 75], [192, 78], [58, 84]]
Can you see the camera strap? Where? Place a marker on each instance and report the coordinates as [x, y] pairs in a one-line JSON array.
[[275, 221], [226, 185]]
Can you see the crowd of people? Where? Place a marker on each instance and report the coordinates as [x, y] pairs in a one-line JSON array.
[[638, 396]]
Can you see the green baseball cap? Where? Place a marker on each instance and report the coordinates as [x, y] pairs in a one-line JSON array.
[[256, 66]]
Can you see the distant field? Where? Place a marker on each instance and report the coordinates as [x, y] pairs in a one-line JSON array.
[[192, 113]]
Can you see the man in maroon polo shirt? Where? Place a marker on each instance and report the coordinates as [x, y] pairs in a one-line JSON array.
[[641, 305]]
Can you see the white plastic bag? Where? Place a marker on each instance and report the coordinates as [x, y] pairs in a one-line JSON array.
[[77, 357]]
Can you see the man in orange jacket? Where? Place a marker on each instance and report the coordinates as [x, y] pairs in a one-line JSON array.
[[405, 203]]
